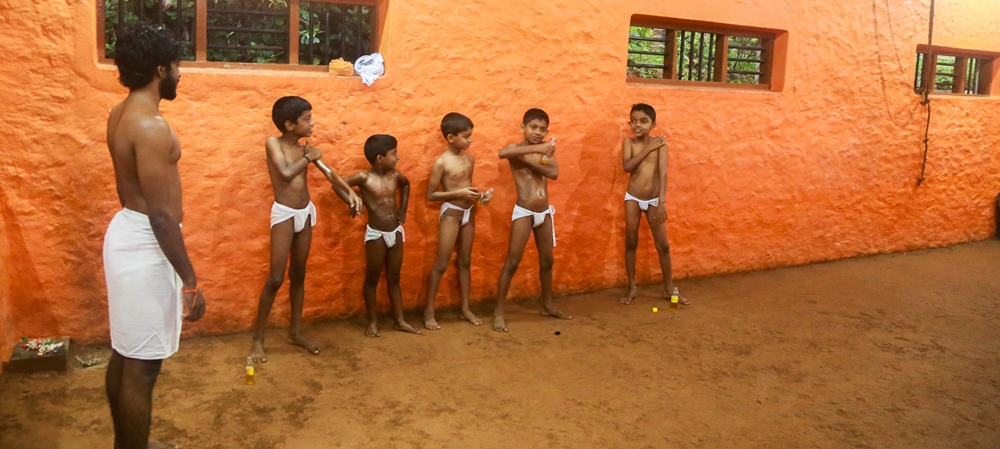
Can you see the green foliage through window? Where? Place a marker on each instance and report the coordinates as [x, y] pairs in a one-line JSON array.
[[656, 52]]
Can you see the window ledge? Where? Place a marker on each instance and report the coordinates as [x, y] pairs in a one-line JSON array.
[[701, 86], [241, 68]]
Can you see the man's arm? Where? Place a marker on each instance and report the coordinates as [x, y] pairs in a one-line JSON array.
[[404, 197], [630, 162], [157, 172], [514, 150], [437, 172], [288, 171], [340, 187]]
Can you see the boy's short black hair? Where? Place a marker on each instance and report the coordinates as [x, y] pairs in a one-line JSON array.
[[288, 109], [142, 48], [454, 123], [645, 108], [378, 145], [535, 114]]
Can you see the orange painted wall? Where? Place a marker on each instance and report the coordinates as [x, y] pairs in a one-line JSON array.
[[823, 169]]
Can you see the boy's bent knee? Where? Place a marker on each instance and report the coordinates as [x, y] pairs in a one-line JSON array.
[[510, 266], [663, 248], [464, 262], [545, 263], [273, 283], [631, 243]]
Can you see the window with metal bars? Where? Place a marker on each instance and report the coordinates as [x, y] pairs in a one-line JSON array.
[[683, 54], [952, 73], [296, 32]]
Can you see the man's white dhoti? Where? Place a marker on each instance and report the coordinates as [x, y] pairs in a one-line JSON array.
[[144, 291]]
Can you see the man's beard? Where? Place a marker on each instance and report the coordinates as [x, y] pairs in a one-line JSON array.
[[168, 87]]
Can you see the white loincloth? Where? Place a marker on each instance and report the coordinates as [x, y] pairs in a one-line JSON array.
[[537, 218], [388, 236], [465, 212], [643, 204], [144, 291], [280, 213]]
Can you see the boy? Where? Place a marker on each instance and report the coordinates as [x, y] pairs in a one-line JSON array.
[[644, 158], [533, 163], [452, 171], [384, 236], [292, 215]]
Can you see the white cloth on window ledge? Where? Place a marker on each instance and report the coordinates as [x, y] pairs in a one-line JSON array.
[[370, 68]]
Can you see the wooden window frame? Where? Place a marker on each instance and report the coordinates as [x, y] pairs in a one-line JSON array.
[[772, 55], [201, 37], [930, 56]]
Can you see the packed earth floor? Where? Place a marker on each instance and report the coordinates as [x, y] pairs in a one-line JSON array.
[[890, 351]]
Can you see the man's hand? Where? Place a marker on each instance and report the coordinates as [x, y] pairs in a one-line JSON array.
[[195, 305], [469, 193], [659, 213], [354, 202], [313, 154]]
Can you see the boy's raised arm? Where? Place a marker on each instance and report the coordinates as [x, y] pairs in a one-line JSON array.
[[514, 150], [549, 170], [404, 197], [288, 171]]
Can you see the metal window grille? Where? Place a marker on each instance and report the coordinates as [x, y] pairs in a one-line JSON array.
[[174, 15], [952, 74], [662, 53], [746, 58], [329, 31], [247, 31]]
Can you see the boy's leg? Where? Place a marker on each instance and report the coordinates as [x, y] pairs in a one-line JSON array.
[[374, 261], [447, 233], [520, 230], [297, 287], [466, 235], [659, 231], [393, 265], [543, 241], [281, 245], [135, 402], [632, 216]]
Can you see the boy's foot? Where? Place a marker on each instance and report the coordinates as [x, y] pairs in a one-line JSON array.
[[309, 345], [257, 352], [430, 323], [499, 324], [404, 327], [372, 330], [633, 291], [468, 316], [547, 311], [680, 299]]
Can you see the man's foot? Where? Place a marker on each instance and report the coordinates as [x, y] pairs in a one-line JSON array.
[[404, 327], [298, 339], [257, 352], [548, 311], [158, 445], [499, 324], [468, 316], [372, 330], [430, 322], [633, 291]]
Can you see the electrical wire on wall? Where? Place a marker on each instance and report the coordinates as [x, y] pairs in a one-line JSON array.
[[928, 87]]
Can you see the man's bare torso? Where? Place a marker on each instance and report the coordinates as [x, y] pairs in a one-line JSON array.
[[126, 134]]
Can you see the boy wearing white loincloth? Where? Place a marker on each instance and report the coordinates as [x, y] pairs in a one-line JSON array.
[[384, 235], [149, 276], [293, 215], [644, 158], [533, 163]]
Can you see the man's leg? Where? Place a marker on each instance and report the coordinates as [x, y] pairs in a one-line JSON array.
[[393, 265], [520, 230], [113, 385], [374, 261], [448, 230], [466, 234], [297, 287], [543, 241], [135, 402], [659, 231], [281, 244], [632, 216]]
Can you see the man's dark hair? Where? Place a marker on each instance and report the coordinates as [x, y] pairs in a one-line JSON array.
[[288, 109], [535, 114], [646, 109], [142, 48], [378, 145], [454, 123]]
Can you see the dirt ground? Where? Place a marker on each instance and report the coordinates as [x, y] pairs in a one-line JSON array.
[[892, 351]]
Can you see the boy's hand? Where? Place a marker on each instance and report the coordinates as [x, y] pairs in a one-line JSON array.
[[550, 148], [659, 142], [469, 193], [659, 214], [195, 304], [354, 202], [313, 154], [402, 217]]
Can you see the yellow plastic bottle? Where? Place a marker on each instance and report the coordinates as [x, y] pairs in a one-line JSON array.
[[250, 379]]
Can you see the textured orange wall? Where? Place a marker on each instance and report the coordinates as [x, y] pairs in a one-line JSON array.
[[824, 169]]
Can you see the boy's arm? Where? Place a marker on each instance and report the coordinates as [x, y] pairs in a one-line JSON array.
[[404, 197], [288, 171], [661, 213], [550, 170], [340, 187], [514, 150], [356, 179], [437, 172], [630, 162]]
